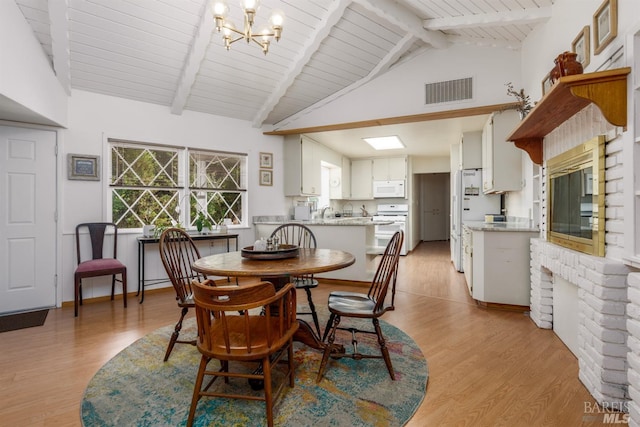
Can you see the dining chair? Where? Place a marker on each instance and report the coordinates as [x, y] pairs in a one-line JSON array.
[[371, 305], [301, 236], [244, 323], [177, 252], [98, 264]]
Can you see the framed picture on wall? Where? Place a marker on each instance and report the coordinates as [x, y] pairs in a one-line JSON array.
[[582, 46], [83, 167], [266, 160], [605, 25], [266, 177]]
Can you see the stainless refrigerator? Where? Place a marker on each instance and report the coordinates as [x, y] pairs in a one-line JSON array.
[[469, 204]]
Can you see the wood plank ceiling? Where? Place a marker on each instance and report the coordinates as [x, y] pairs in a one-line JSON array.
[[167, 51]]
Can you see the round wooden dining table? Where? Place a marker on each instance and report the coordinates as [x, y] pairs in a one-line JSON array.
[[308, 261]]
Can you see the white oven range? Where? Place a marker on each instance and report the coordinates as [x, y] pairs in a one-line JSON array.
[[398, 214]]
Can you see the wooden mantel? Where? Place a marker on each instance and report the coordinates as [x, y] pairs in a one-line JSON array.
[[569, 95]]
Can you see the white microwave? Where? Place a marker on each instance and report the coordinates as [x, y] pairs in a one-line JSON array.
[[394, 188]]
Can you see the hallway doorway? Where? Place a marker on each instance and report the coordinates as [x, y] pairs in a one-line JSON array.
[[434, 203]]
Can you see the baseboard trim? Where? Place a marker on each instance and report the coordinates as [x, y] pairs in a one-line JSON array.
[[117, 297], [504, 307]]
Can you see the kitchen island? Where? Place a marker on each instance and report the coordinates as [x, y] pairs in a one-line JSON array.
[[352, 234], [496, 262]]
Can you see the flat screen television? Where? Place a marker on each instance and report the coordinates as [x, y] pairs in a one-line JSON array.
[[575, 203]]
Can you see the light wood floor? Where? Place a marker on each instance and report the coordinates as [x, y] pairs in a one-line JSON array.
[[486, 367]]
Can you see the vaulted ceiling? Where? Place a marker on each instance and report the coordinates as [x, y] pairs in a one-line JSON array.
[[167, 52]]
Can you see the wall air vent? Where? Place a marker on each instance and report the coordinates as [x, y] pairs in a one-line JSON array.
[[449, 91]]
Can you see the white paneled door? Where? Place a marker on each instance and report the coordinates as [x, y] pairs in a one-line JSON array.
[[27, 219]]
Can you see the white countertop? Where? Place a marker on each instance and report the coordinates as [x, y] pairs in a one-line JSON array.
[[499, 226], [344, 221]]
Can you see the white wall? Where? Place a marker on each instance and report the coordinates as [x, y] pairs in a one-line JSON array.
[[603, 282], [26, 76], [401, 90], [423, 164], [555, 36], [94, 118]]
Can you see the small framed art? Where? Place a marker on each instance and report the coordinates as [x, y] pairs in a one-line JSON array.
[[266, 177], [83, 167], [581, 45], [605, 25], [266, 160]]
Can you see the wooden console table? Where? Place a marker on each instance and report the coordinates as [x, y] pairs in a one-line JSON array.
[[143, 241]]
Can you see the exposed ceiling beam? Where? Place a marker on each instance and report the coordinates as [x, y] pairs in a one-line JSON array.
[[334, 14], [201, 40], [390, 58], [494, 19], [438, 115], [404, 19], [59, 28]]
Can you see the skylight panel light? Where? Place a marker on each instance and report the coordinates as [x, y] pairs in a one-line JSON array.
[[385, 142]]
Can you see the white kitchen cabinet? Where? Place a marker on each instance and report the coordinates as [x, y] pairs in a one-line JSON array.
[[340, 180], [500, 266], [501, 160], [471, 150], [302, 173], [346, 177], [389, 168], [467, 257], [361, 181]]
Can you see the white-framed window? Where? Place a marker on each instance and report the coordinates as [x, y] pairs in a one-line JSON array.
[[169, 185]]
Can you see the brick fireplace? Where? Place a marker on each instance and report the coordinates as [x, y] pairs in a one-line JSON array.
[[602, 282]]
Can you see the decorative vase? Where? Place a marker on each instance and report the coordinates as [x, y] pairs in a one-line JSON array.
[[566, 65]]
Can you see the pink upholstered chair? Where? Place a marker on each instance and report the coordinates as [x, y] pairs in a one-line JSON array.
[[98, 265]]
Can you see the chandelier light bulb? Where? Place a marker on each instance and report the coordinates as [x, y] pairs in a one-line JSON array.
[[277, 18], [220, 11], [231, 35], [228, 30], [250, 5], [220, 8], [250, 8]]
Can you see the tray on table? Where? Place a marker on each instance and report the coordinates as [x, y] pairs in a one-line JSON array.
[[283, 252]]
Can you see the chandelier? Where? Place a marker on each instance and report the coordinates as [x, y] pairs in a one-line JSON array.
[[230, 34]]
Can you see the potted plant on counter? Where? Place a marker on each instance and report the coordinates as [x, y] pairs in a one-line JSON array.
[[203, 223]]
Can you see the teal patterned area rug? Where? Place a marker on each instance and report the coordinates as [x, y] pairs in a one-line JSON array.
[[136, 388]]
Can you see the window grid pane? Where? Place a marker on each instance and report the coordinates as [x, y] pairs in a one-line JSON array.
[[133, 208], [216, 171], [146, 186], [217, 206], [144, 167]]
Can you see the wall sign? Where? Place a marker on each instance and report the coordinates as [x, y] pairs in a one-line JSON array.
[[83, 167]]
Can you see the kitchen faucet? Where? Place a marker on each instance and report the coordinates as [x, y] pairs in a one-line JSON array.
[[323, 211]]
